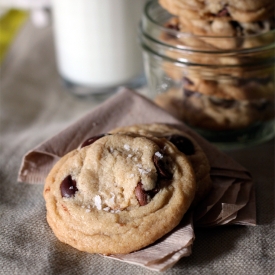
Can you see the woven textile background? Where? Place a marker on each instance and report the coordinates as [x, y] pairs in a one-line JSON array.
[[34, 107]]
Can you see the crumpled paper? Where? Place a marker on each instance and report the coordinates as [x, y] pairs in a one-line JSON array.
[[231, 200]]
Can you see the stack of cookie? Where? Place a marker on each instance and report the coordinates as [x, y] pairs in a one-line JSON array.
[[121, 191], [226, 97]]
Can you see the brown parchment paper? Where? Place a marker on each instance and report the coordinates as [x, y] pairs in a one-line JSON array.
[[231, 200]]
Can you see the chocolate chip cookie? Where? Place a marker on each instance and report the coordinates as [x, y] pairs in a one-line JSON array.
[[242, 11], [255, 86], [228, 35], [202, 39], [212, 113], [118, 193]]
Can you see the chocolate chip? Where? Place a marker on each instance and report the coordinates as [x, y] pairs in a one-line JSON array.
[[173, 26], [247, 81], [264, 80], [189, 93], [68, 187], [153, 192], [237, 26], [141, 194], [261, 24], [222, 102], [91, 140], [187, 81], [161, 168], [183, 144], [223, 13], [261, 105]]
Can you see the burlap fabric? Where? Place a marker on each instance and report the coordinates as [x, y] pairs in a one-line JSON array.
[[34, 107]]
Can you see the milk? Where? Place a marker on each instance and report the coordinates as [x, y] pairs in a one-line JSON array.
[[97, 41]]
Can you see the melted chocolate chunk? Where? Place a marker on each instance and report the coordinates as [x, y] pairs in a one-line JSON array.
[[91, 140], [183, 144], [142, 195], [68, 187], [161, 168], [153, 192]]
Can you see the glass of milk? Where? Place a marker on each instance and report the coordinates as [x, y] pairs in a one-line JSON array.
[[97, 46]]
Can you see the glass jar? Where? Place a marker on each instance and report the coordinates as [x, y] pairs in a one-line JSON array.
[[223, 87]]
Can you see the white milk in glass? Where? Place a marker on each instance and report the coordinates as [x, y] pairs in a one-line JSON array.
[[97, 42]]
